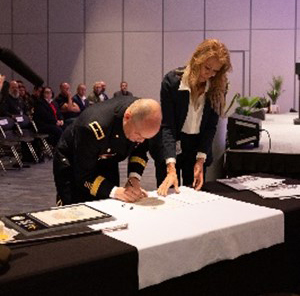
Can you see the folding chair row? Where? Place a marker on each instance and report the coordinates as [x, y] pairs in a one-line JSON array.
[[27, 128], [22, 132], [8, 140]]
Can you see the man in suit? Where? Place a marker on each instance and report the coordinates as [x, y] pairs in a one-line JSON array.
[[123, 90], [80, 98], [103, 96], [87, 155]]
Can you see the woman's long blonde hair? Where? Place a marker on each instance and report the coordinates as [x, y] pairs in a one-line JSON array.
[[218, 84]]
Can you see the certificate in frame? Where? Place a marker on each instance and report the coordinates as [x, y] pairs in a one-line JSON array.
[[56, 218]]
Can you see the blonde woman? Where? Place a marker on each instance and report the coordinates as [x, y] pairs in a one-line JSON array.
[[192, 99]]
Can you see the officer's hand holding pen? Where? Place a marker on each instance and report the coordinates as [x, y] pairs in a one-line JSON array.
[[133, 187], [132, 191]]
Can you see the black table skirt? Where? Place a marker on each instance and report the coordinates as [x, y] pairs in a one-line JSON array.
[[255, 274], [89, 265], [239, 163]]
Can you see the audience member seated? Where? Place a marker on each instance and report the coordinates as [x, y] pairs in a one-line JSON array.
[[26, 98], [94, 97], [80, 98], [68, 108], [103, 96], [123, 90], [36, 93], [12, 104], [20, 83], [48, 117]]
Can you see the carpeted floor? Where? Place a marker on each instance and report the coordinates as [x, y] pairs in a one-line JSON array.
[[31, 189]]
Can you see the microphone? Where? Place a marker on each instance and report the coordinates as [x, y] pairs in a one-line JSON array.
[[9, 58], [5, 254]]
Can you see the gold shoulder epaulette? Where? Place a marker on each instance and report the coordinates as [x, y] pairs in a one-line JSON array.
[[97, 129]]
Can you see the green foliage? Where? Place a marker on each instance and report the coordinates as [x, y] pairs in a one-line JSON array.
[[264, 102], [276, 88], [247, 105]]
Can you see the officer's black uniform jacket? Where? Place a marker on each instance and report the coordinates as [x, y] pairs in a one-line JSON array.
[[175, 106], [98, 134]]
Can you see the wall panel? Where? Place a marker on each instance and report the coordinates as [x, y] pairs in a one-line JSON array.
[[273, 56], [5, 16], [235, 40], [179, 47], [32, 49], [143, 15], [183, 15], [270, 14], [142, 63], [104, 60], [29, 16], [227, 15], [65, 62], [60, 21], [103, 15]]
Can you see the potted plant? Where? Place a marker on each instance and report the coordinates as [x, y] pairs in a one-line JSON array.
[[275, 92], [248, 106]]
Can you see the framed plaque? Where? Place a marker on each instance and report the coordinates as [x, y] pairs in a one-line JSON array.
[[55, 219]]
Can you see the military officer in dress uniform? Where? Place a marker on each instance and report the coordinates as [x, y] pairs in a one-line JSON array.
[[86, 159]]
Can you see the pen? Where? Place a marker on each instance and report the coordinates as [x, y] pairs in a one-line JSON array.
[[130, 183]]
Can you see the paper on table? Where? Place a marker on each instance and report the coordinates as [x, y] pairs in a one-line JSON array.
[[251, 182], [292, 191]]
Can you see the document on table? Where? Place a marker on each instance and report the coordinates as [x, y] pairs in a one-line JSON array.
[[283, 191], [251, 182]]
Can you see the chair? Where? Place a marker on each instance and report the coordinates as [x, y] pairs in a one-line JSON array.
[[43, 138], [9, 141], [27, 127], [22, 127]]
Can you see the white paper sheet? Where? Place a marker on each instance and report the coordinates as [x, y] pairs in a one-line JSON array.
[[251, 182], [284, 191]]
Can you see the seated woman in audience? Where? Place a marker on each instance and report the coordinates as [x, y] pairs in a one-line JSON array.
[[47, 116]]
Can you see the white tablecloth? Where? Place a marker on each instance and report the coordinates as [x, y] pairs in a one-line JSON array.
[[191, 230]]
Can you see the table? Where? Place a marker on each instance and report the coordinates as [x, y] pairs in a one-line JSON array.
[[283, 158], [100, 265], [276, 269], [87, 265]]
